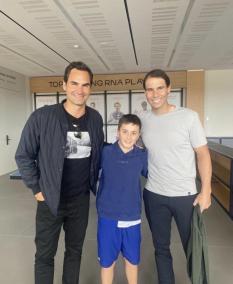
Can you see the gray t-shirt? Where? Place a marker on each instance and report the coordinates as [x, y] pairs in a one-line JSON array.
[[170, 139]]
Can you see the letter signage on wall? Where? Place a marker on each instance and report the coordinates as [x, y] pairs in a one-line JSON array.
[[104, 82]]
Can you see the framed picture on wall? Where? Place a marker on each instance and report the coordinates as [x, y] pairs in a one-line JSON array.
[[111, 133], [175, 98], [96, 101], [139, 103], [117, 105], [43, 100], [61, 98], [104, 130]]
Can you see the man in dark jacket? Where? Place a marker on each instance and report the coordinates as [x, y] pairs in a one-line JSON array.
[[58, 158]]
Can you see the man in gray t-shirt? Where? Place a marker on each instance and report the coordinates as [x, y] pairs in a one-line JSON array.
[[172, 136]]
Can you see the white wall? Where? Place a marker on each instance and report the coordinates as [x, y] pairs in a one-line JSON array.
[[219, 103], [15, 106]]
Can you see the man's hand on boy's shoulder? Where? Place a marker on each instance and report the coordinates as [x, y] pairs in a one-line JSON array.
[[107, 143]]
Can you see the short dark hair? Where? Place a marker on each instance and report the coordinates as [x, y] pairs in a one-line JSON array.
[[130, 118], [157, 73], [79, 66]]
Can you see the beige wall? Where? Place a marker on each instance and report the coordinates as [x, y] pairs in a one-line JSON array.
[[105, 82], [195, 92]]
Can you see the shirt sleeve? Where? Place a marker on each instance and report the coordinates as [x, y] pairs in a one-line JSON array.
[[27, 152], [197, 134]]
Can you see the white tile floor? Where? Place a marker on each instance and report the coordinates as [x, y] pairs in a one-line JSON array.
[[17, 213]]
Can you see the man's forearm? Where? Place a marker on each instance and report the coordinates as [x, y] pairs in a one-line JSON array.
[[205, 171], [204, 168]]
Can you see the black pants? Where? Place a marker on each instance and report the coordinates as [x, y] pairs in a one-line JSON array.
[[159, 212], [73, 215]]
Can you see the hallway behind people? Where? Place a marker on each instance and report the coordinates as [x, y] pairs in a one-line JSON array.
[[17, 214]]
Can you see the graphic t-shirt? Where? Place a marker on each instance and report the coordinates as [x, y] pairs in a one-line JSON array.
[[76, 170]]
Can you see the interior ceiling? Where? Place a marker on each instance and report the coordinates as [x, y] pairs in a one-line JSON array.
[[38, 37]]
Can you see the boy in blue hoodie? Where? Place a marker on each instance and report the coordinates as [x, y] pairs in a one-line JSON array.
[[119, 201]]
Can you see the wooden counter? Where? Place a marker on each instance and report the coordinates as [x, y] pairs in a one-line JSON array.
[[222, 180]]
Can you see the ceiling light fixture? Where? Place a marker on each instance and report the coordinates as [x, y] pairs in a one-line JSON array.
[[104, 43], [195, 70]]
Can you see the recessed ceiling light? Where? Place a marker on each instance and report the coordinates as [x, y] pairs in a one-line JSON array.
[[104, 43], [76, 46]]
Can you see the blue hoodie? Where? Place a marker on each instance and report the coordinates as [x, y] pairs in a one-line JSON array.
[[119, 195]]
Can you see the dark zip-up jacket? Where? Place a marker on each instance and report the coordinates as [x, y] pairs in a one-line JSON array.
[[40, 153]]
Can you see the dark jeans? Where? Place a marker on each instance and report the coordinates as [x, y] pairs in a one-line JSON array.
[[159, 212], [73, 215]]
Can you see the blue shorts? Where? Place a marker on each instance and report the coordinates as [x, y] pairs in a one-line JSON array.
[[113, 240]]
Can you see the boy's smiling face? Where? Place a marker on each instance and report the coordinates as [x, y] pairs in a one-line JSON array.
[[128, 135]]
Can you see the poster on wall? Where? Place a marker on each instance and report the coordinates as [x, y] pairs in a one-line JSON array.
[[104, 130], [97, 102], [139, 103], [45, 100], [117, 105], [175, 98], [111, 133]]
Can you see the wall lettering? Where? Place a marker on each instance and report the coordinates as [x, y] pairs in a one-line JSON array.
[[55, 84]]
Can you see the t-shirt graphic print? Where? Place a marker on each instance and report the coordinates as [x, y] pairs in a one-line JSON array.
[[78, 145]]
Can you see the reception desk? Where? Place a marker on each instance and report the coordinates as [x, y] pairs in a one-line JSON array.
[[222, 180]]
